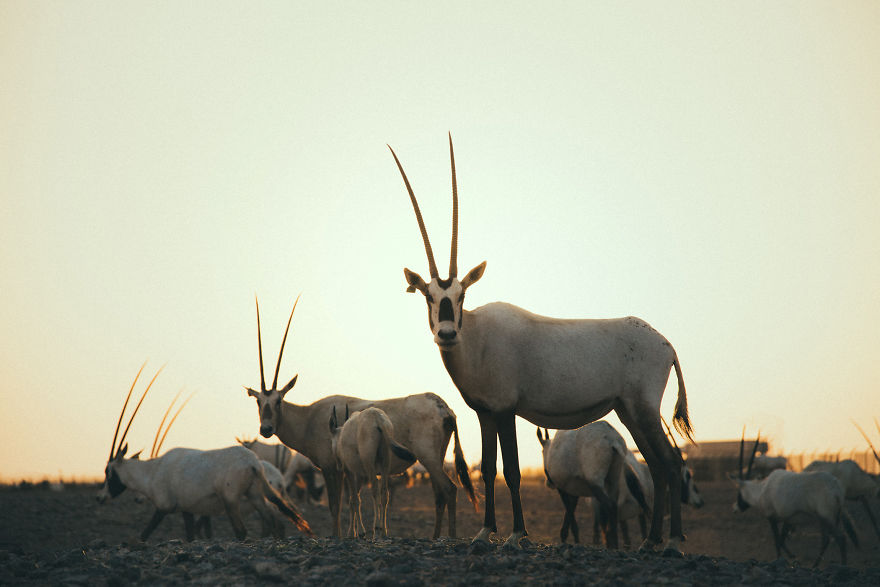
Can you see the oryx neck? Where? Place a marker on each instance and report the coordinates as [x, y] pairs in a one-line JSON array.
[[136, 474], [293, 425]]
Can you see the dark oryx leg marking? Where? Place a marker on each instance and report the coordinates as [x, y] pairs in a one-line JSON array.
[[333, 483], [158, 515], [189, 526], [568, 521], [510, 458], [489, 435]]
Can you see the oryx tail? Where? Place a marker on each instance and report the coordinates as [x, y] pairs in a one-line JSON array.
[[681, 420], [284, 506], [461, 466]]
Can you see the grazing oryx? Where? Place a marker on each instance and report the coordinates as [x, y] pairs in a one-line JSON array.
[[422, 422], [792, 498], [508, 362], [194, 482], [363, 445], [586, 462], [857, 484], [300, 475], [765, 465]]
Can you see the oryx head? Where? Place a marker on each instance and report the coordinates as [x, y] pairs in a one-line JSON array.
[[445, 297], [113, 484], [748, 490], [545, 449], [269, 399]]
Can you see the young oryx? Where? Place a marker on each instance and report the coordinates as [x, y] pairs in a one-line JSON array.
[[194, 482], [792, 498], [300, 475], [363, 446], [586, 462], [508, 362], [422, 422]]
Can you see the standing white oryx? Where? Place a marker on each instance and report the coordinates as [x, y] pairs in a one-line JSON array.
[[363, 445], [300, 475], [588, 462], [422, 422], [194, 482], [791, 498], [508, 362]]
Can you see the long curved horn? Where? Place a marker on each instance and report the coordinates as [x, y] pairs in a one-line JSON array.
[[754, 452], [432, 266], [742, 443], [453, 254], [177, 413], [138, 406], [283, 340], [122, 413], [260, 348], [154, 450]]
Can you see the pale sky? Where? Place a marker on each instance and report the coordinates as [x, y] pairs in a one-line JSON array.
[[711, 167]]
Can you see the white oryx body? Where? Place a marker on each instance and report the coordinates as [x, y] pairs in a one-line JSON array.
[[363, 446], [556, 373], [422, 422], [793, 498], [193, 482], [586, 462], [855, 481], [857, 484], [764, 465], [300, 474]]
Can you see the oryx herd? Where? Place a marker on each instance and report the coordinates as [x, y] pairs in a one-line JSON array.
[[505, 362]]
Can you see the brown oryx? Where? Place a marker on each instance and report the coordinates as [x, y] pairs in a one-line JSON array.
[[422, 422], [789, 498], [555, 373], [363, 445], [588, 462], [193, 482]]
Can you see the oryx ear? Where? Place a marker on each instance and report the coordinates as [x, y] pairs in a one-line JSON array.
[[122, 451], [333, 419], [540, 438], [415, 282], [289, 386], [137, 455], [252, 392], [473, 275]]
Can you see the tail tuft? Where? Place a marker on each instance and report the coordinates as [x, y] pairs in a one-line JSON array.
[[681, 420], [461, 468]]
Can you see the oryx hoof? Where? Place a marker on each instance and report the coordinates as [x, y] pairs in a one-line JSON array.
[[482, 535], [479, 547], [648, 546], [670, 552], [513, 541]]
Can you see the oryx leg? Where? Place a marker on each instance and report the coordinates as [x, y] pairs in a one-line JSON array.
[[444, 495], [233, 510], [189, 526], [864, 501], [778, 537], [510, 460], [665, 467], [607, 516], [624, 532], [568, 521], [158, 515], [333, 483], [488, 470]]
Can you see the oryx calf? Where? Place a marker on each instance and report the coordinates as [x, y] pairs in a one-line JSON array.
[[792, 498], [193, 482], [363, 446], [586, 462]]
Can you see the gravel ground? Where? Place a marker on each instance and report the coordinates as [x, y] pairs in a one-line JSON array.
[[65, 538]]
